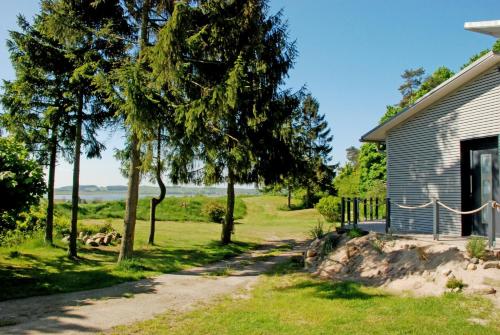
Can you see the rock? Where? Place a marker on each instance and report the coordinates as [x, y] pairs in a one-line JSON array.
[[490, 265], [446, 272], [497, 254], [311, 253], [309, 262], [91, 242], [100, 240], [108, 239], [484, 290], [81, 235], [407, 246], [474, 260], [413, 246], [456, 289], [471, 267], [85, 239], [65, 239]]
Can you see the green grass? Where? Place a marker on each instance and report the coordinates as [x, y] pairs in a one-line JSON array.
[[171, 209], [292, 303], [33, 268]]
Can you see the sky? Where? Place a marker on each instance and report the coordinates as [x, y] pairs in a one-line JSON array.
[[351, 56]]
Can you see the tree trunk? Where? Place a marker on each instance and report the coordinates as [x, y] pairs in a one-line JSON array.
[[49, 228], [127, 246], [289, 197], [228, 225], [308, 197], [76, 180], [156, 201]]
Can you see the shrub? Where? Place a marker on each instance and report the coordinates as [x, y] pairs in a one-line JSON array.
[[453, 283], [318, 231], [329, 245], [476, 247], [330, 208], [356, 232], [214, 211]]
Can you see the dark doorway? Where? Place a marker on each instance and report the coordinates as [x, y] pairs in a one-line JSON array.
[[480, 183]]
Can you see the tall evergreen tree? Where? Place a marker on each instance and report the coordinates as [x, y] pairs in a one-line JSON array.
[[93, 36], [36, 101], [224, 61]]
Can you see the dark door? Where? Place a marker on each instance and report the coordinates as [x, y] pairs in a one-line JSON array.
[[480, 183]]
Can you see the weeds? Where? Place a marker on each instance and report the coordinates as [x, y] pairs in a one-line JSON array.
[[476, 247]]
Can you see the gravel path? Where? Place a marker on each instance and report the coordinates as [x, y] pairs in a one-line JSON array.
[[101, 309]]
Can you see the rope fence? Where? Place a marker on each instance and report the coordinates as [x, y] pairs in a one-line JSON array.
[[495, 207]]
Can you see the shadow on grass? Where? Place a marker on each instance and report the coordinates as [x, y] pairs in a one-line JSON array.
[[341, 290], [35, 275]]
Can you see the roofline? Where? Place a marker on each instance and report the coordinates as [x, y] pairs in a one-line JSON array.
[[379, 133]]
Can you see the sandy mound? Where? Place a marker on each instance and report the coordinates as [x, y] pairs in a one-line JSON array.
[[402, 265]]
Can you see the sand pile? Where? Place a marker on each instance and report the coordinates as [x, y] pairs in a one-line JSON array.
[[402, 264]]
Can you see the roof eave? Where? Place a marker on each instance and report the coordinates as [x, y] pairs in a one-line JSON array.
[[379, 133]]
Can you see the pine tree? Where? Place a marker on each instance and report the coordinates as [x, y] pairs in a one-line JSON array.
[[224, 62], [93, 36], [36, 101]]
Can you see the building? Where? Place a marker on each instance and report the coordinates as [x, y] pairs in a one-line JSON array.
[[446, 147]]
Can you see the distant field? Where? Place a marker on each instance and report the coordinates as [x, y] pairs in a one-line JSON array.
[[171, 209]]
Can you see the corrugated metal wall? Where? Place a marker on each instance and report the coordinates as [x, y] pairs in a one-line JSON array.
[[424, 152]]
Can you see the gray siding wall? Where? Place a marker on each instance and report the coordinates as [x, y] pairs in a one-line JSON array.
[[423, 154]]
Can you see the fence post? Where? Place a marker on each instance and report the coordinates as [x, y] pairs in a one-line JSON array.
[[435, 227], [364, 208], [356, 211], [349, 210], [387, 215], [342, 211], [491, 227], [371, 209], [376, 208]]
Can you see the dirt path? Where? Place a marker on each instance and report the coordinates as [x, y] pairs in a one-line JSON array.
[[101, 309]]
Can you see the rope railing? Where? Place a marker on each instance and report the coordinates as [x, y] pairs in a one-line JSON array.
[[493, 205], [412, 207]]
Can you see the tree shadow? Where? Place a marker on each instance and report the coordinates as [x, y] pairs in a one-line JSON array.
[[347, 290]]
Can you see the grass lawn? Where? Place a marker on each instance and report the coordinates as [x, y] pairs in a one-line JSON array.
[[35, 269], [289, 302]]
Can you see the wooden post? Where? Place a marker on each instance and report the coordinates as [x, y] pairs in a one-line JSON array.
[[349, 210], [376, 208], [491, 227], [364, 208], [371, 209], [435, 227], [387, 215], [356, 211], [342, 212]]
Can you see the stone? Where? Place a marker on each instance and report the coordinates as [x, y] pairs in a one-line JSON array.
[[81, 235], [65, 239], [446, 272], [309, 262], [456, 289], [92, 243], [108, 239], [474, 260], [497, 254], [471, 267], [484, 290], [311, 253], [490, 265], [407, 246], [100, 240]]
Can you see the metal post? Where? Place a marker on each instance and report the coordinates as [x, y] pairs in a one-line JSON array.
[[435, 227], [349, 210], [387, 215], [342, 210], [371, 209], [376, 208], [356, 211], [364, 208], [491, 227]]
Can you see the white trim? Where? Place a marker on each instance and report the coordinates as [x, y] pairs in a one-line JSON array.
[[379, 133]]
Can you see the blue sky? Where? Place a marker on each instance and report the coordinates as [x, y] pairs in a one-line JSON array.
[[351, 55]]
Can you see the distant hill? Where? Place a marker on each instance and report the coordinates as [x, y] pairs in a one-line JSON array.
[[152, 190]]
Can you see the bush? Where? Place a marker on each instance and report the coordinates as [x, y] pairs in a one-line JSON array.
[[454, 283], [214, 211], [318, 231], [476, 247], [356, 232], [330, 208]]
